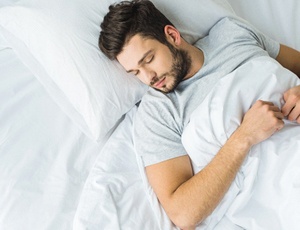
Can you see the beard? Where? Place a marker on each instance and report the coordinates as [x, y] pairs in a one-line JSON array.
[[181, 64]]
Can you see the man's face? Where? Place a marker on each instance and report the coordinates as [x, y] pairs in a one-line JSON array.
[[155, 64]]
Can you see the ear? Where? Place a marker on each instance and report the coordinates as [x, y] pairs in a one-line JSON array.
[[172, 35]]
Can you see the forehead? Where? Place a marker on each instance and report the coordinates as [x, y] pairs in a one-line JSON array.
[[135, 49]]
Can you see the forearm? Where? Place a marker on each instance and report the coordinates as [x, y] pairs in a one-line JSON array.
[[195, 199], [289, 58], [188, 199]]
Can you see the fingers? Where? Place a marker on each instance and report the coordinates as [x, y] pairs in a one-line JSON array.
[[276, 113], [291, 108], [279, 115], [287, 108], [269, 106], [261, 121], [294, 113], [273, 112], [276, 110]]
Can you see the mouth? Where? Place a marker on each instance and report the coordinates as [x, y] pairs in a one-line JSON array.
[[160, 83]]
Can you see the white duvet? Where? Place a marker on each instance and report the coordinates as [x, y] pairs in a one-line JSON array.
[[266, 191]]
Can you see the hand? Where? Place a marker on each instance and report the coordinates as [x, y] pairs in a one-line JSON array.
[[291, 108], [261, 121]]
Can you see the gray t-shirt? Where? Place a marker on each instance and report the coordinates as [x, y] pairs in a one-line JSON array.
[[161, 118]]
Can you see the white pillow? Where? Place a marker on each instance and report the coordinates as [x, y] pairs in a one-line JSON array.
[[58, 41], [194, 18], [277, 19]]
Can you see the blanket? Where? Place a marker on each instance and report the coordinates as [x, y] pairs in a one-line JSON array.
[[266, 191]]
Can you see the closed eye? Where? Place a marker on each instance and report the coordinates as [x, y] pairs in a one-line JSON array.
[[149, 59]]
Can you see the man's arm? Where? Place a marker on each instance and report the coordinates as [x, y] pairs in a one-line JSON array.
[[290, 59], [188, 199]]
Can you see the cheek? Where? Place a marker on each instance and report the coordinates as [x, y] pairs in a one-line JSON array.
[[143, 80], [163, 64]]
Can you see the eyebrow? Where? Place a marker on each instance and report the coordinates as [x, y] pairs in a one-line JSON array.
[[141, 60]]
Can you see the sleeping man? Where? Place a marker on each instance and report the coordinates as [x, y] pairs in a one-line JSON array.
[[180, 76]]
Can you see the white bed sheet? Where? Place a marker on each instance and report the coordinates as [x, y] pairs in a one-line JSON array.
[[114, 194], [266, 191], [44, 158]]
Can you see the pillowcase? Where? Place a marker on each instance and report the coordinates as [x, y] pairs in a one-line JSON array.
[[58, 41], [277, 19], [194, 18]]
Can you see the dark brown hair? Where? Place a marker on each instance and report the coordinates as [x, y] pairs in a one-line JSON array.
[[127, 19]]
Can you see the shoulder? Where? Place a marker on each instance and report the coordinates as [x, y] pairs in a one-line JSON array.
[[157, 110], [231, 22], [155, 106], [157, 133], [155, 101], [236, 30], [230, 26]]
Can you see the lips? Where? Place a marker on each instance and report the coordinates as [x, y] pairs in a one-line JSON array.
[[160, 83]]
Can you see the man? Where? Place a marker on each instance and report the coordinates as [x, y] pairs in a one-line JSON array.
[[147, 44]]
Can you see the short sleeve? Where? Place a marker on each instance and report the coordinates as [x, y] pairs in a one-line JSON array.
[[157, 136], [265, 42]]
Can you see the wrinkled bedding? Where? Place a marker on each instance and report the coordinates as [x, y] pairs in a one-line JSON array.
[[265, 193]]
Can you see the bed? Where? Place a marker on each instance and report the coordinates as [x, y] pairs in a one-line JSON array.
[[67, 158]]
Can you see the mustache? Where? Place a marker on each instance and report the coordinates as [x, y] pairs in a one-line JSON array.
[[157, 79]]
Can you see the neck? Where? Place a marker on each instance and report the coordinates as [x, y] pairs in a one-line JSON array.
[[197, 60]]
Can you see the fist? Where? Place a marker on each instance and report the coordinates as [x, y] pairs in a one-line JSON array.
[[291, 108], [261, 121]]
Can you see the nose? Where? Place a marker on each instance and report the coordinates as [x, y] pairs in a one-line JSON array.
[[148, 76]]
